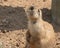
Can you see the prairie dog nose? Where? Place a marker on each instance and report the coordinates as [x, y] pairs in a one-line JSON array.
[[31, 8]]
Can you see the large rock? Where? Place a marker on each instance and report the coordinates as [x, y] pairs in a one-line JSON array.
[[56, 11]]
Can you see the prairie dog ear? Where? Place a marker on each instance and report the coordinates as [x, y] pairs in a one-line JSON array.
[[40, 12], [25, 8]]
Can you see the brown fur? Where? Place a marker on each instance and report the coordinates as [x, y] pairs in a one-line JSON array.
[[41, 32]]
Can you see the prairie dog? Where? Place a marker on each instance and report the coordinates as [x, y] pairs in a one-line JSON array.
[[42, 33]]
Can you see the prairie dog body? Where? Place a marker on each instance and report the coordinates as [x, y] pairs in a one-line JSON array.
[[42, 33]]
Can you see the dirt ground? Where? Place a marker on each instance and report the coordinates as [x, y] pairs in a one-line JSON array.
[[13, 26]]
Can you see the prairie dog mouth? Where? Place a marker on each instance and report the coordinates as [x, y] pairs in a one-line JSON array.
[[33, 18]]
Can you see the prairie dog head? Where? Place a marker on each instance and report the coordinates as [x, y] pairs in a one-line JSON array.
[[33, 13]]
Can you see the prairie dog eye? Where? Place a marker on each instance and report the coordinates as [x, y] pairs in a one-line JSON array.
[[38, 10], [31, 8]]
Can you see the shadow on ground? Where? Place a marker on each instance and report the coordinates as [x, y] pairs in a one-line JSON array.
[[12, 18]]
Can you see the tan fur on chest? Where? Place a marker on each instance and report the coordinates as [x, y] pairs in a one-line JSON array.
[[36, 29], [42, 32]]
